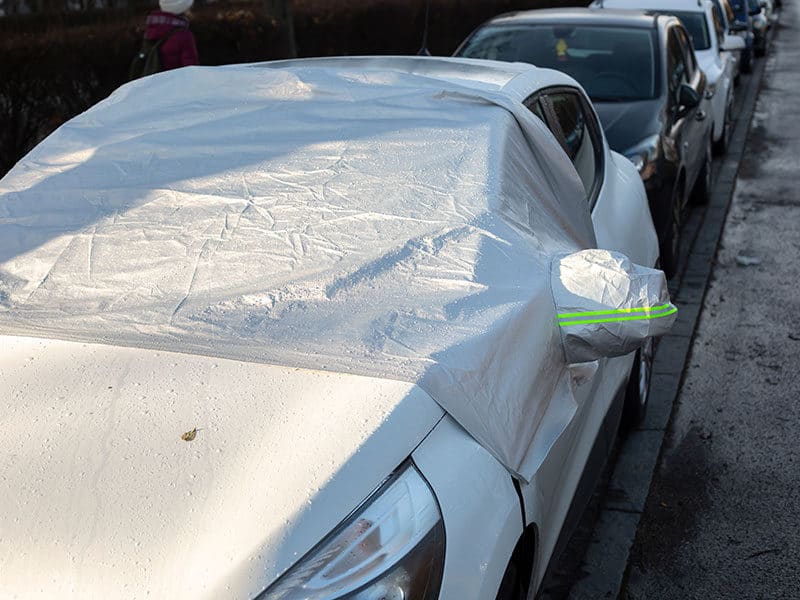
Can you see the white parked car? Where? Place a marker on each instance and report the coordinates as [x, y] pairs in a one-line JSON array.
[[713, 46], [332, 328]]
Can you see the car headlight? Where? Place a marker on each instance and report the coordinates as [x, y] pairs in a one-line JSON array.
[[390, 548], [643, 155]]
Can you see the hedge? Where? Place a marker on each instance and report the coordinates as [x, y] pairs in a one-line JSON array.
[[54, 67]]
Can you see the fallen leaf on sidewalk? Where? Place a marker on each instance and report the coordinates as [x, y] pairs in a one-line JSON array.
[[189, 435]]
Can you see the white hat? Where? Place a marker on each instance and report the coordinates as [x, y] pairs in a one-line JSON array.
[[176, 7]]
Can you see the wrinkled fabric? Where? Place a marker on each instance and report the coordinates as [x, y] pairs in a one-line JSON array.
[[376, 222], [180, 49], [608, 305]]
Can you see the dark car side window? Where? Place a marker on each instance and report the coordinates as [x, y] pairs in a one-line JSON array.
[[676, 65], [688, 53], [574, 125]]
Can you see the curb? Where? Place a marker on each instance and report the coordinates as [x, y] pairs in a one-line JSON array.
[[605, 562]]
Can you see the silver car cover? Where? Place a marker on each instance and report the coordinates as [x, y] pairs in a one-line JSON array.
[[369, 221]]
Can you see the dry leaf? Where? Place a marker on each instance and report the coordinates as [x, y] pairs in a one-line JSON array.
[[189, 435]]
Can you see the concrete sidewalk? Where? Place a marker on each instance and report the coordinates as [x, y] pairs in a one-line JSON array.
[[722, 519]]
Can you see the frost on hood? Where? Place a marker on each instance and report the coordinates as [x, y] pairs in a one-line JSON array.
[[381, 223]]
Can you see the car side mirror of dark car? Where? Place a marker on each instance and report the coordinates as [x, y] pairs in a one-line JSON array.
[[755, 11], [688, 99]]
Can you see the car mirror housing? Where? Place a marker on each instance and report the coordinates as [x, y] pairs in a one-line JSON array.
[[606, 305], [732, 43], [688, 98]]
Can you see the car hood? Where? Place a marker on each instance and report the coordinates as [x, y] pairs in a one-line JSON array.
[[628, 123], [130, 473]]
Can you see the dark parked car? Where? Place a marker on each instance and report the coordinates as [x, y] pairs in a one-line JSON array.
[[642, 76], [748, 13], [742, 29]]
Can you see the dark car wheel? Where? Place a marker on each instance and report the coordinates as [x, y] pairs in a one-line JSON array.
[[671, 244], [747, 61], [701, 193], [637, 393]]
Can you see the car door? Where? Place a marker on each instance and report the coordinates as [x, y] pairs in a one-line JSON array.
[[698, 127], [686, 141], [568, 115], [728, 60]]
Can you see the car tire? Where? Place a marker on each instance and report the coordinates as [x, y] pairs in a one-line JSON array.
[[671, 244], [701, 193], [747, 62], [637, 394], [721, 145], [512, 586]]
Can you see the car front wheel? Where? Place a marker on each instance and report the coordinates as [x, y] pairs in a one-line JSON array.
[[637, 393], [671, 244]]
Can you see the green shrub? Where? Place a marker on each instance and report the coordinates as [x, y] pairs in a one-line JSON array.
[[56, 66]]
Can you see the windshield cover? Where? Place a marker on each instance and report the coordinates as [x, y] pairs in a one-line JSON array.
[[611, 63]]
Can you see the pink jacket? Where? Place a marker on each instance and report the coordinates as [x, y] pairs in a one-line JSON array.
[[179, 50]]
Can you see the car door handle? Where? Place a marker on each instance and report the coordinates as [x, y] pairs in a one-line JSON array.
[[701, 115]]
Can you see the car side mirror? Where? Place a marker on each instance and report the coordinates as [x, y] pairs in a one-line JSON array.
[[755, 11], [608, 306], [738, 27], [732, 43], [688, 99]]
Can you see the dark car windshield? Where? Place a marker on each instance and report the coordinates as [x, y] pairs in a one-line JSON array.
[[611, 63], [697, 27]]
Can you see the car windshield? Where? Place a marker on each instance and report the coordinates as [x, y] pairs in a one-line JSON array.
[[611, 63], [696, 26]]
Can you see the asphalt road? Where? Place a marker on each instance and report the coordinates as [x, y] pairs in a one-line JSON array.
[[723, 516]]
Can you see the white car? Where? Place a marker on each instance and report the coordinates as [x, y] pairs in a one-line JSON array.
[[713, 47], [332, 328]]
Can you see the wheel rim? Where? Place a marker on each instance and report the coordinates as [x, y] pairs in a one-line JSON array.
[[645, 370]]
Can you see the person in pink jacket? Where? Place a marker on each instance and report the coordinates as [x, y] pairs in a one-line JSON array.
[[179, 49]]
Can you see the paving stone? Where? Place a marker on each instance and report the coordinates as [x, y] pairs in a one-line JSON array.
[[663, 391], [607, 557], [630, 482]]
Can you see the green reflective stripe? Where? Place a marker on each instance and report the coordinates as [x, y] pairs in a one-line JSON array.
[[613, 312], [672, 311]]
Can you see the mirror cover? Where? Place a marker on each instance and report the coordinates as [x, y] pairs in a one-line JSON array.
[[607, 305]]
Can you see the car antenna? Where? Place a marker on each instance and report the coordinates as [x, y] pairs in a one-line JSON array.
[[423, 51]]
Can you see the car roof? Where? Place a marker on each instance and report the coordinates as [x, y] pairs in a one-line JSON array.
[[626, 18], [515, 80], [661, 5]]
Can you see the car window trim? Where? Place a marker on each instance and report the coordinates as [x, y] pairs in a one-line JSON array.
[[542, 96]]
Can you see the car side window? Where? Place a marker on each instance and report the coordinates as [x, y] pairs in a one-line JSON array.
[[574, 125], [719, 27], [676, 65], [688, 54], [536, 108]]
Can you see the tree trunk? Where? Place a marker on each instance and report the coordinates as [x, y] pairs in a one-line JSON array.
[[282, 11]]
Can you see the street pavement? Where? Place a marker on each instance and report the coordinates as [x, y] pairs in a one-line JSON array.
[[722, 519]]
